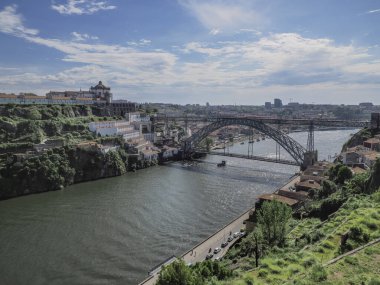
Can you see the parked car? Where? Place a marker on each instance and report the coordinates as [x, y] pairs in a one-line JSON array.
[[217, 250], [230, 238], [209, 256], [242, 234], [223, 245], [237, 234]]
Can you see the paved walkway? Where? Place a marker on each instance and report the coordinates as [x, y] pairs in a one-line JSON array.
[[198, 253]]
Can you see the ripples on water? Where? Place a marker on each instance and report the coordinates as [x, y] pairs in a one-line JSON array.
[[113, 231]]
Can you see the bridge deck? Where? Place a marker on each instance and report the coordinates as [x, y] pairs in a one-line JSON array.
[[252, 157], [271, 120]]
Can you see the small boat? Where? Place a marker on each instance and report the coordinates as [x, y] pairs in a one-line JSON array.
[[258, 140], [242, 143], [252, 141], [223, 163]]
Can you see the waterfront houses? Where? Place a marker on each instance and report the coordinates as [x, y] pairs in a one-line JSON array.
[[363, 155]]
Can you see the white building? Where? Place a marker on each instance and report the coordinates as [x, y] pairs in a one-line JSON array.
[[115, 128], [143, 124]]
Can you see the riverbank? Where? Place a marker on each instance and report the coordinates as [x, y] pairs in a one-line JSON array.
[[60, 167]]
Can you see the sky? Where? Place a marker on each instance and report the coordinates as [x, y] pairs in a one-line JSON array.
[[195, 51]]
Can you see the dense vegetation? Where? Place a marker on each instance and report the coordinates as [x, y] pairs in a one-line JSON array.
[[22, 126], [58, 168], [23, 171]]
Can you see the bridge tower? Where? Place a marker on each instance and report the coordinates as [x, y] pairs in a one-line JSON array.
[[311, 155], [310, 138]]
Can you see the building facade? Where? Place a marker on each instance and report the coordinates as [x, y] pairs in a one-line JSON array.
[[277, 103], [99, 92]]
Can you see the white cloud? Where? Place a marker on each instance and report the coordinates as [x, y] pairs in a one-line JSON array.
[[222, 14], [82, 37], [80, 7], [373, 11], [214, 32], [141, 42], [253, 31], [12, 23]]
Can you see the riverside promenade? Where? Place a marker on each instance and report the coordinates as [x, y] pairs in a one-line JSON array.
[[198, 253]]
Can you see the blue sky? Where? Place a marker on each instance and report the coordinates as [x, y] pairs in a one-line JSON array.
[[195, 51]]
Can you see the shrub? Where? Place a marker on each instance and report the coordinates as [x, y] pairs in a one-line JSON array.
[[249, 280], [355, 237], [328, 244], [371, 224], [318, 273], [274, 269], [351, 260], [263, 273], [293, 269], [376, 196], [329, 206], [374, 281]]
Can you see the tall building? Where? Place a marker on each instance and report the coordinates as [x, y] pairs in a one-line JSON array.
[[102, 92], [277, 103], [268, 105]]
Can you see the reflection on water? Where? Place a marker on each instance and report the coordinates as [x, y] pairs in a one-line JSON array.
[[113, 231]]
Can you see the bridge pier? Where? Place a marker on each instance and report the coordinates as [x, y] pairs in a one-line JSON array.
[[310, 157]]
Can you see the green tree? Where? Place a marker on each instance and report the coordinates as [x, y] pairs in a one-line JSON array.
[[177, 273], [328, 187], [373, 183], [344, 174], [209, 143], [357, 184], [254, 244], [273, 218]]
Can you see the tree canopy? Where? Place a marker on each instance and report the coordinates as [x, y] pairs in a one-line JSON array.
[[273, 219]]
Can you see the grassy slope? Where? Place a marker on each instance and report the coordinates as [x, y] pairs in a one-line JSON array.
[[361, 266], [292, 265]]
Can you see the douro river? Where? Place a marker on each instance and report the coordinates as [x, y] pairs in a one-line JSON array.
[[113, 231]]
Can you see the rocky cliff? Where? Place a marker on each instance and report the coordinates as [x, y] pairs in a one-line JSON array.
[[56, 169]]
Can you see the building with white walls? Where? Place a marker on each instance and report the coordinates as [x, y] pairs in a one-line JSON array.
[[115, 128]]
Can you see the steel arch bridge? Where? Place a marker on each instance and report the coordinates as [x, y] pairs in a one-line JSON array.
[[296, 150]]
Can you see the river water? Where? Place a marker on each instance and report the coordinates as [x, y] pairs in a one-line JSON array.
[[113, 231]]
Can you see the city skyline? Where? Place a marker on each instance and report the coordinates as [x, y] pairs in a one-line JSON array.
[[190, 51]]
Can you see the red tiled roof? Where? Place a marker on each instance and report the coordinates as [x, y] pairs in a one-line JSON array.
[[272, 197]]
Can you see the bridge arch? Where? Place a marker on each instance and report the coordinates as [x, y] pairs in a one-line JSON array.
[[296, 150]]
